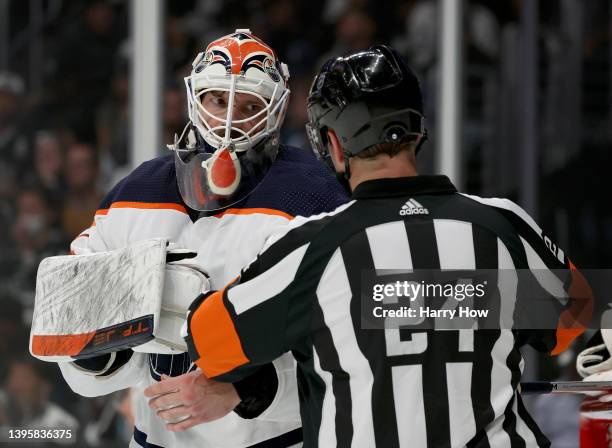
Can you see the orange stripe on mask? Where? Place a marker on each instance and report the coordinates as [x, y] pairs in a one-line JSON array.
[[215, 337]]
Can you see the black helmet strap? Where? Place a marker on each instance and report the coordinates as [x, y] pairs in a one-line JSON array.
[[347, 166]]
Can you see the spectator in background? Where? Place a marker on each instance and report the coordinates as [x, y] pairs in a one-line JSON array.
[[84, 64], [48, 166], [333, 9], [355, 30], [199, 18], [287, 27], [82, 195], [112, 119], [13, 144], [34, 238], [13, 332], [107, 419], [293, 132], [180, 47], [7, 215], [27, 403], [419, 40], [174, 113]]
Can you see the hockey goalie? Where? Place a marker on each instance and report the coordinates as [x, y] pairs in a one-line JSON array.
[[110, 315]]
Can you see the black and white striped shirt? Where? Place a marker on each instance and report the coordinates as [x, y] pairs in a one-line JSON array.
[[394, 387]]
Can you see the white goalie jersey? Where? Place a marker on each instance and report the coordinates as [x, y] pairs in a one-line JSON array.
[[147, 205]]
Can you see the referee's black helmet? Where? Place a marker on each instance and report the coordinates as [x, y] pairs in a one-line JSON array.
[[366, 98]]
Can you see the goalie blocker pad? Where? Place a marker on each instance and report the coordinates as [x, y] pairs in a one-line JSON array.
[[88, 305]]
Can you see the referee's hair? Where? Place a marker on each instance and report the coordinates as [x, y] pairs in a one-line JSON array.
[[391, 149]]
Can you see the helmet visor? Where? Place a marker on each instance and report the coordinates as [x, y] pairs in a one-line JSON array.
[[372, 71]]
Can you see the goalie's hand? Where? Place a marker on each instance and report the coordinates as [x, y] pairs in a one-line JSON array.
[[190, 399]]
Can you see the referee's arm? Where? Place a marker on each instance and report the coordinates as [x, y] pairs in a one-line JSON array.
[[543, 254], [244, 325]]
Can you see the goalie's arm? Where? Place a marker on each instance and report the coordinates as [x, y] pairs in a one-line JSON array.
[[107, 373]]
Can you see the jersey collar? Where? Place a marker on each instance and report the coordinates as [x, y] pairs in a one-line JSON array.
[[404, 186]]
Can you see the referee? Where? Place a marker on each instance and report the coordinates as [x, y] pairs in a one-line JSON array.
[[381, 388]]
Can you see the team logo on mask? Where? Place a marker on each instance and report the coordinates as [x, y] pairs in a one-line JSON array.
[[205, 62], [271, 69]]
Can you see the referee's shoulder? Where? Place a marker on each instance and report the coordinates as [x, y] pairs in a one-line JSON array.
[[512, 212], [302, 230], [289, 238]]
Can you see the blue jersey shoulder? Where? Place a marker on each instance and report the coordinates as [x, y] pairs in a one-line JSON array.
[[298, 184], [153, 181]]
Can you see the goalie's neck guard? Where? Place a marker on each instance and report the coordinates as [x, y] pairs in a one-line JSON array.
[[213, 179]]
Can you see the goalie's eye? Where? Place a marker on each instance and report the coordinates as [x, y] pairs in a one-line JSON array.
[[253, 108], [215, 100]]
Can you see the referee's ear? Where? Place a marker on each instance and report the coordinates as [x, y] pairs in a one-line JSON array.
[[335, 151]]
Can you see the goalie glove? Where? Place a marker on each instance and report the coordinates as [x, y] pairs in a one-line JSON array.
[[92, 305]]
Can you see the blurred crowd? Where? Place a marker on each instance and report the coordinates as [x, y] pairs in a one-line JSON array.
[[64, 135]]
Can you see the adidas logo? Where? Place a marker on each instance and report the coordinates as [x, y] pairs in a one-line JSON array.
[[412, 207]]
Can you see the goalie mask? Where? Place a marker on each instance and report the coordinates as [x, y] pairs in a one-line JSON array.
[[237, 98]]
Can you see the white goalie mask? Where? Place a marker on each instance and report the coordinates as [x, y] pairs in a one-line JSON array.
[[238, 63], [237, 99]]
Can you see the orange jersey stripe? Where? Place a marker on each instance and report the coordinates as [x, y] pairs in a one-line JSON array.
[[252, 211], [141, 205], [181, 208], [150, 206], [54, 345], [574, 320], [215, 337], [101, 212]]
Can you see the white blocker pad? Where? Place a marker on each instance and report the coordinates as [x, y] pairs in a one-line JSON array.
[[87, 305], [182, 285]]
